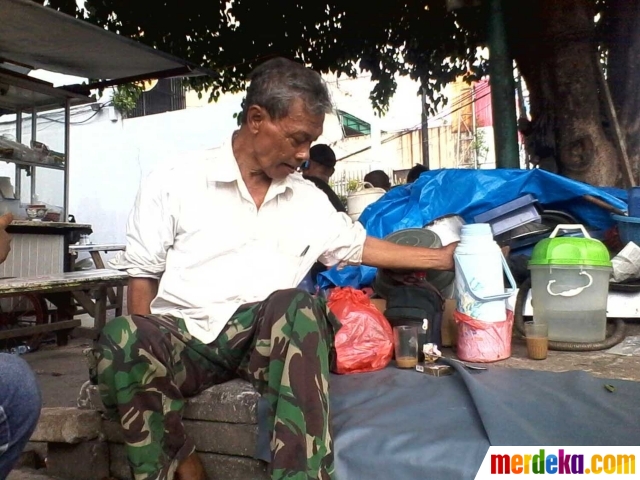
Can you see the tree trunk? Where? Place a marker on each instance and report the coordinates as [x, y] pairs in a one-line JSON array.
[[622, 39], [555, 50]]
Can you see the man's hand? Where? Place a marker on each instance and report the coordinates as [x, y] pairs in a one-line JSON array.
[[448, 252], [5, 238]]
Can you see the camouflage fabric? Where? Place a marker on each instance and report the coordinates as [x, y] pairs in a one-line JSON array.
[[147, 365]]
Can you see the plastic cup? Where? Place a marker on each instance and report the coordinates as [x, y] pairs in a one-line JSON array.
[[406, 346], [537, 335]]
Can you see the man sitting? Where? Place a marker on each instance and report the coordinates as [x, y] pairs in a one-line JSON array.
[[215, 299]]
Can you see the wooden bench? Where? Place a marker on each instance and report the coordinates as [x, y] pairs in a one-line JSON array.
[[94, 250], [88, 288], [114, 295]]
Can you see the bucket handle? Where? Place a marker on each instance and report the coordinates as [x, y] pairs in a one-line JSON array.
[[569, 227], [572, 292], [501, 296], [363, 186]]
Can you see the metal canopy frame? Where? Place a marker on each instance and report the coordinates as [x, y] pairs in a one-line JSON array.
[[38, 37], [20, 92]]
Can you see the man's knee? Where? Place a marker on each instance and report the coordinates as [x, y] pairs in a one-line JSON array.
[[117, 329], [119, 334]]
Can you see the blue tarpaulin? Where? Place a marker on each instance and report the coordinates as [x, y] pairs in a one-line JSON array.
[[468, 193]]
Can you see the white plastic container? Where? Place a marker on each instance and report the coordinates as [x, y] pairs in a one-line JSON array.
[[480, 292], [570, 286], [362, 198]]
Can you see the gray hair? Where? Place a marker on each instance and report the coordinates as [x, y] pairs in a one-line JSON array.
[[276, 83]]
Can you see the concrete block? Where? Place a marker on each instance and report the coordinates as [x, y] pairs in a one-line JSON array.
[[218, 467], [226, 467], [231, 402], [118, 464], [29, 474], [67, 425], [227, 438], [83, 461], [212, 437], [28, 459], [112, 431]]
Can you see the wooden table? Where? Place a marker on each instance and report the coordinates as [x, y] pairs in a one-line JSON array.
[[56, 288]]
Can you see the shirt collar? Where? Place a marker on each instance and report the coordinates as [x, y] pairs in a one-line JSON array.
[[223, 167]]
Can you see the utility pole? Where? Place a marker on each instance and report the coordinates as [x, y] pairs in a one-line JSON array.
[[522, 107], [425, 130], [503, 102], [476, 164]]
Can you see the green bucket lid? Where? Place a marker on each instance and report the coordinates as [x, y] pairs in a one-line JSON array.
[[570, 250]]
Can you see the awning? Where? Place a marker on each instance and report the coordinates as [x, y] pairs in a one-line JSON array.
[[19, 92], [38, 37]]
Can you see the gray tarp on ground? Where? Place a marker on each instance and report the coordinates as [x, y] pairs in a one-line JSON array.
[[407, 425]]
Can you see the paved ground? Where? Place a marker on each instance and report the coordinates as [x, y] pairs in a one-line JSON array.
[[61, 372]]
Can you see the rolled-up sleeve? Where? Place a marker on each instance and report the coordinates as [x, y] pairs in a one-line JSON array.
[[150, 230], [344, 240]]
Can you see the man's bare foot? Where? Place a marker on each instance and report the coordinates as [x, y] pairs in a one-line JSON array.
[[191, 469]]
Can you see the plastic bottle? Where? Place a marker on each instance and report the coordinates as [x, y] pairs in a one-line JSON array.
[[20, 350], [480, 291]]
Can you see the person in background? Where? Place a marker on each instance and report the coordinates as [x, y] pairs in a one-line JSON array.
[[319, 169], [20, 400], [378, 179], [415, 172]]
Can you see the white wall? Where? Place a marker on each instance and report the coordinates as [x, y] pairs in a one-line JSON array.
[[108, 159]]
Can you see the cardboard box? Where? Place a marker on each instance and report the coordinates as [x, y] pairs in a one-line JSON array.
[[380, 304], [449, 327]]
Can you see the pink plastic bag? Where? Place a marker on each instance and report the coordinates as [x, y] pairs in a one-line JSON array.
[[483, 341], [365, 341]]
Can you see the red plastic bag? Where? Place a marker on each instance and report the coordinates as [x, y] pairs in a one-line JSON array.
[[365, 341]]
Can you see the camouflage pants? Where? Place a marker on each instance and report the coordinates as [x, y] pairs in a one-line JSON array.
[[147, 365]]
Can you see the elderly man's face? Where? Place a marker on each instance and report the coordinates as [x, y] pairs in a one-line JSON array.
[[281, 146]]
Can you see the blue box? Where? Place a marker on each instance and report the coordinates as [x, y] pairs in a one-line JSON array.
[[511, 215]]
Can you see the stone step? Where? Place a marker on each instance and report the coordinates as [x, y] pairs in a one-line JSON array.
[[30, 474], [67, 425]]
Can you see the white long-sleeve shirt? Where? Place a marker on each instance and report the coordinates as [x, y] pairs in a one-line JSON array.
[[195, 227]]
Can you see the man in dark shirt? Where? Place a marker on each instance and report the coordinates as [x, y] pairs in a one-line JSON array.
[[319, 168]]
